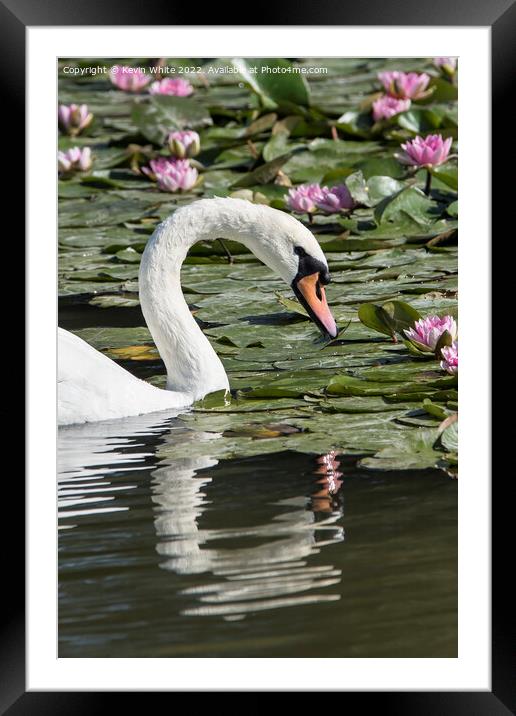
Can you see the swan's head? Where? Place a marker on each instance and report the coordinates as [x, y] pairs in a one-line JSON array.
[[278, 239], [292, 251]]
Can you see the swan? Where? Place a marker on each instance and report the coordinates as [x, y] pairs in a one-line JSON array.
[[92, 387]]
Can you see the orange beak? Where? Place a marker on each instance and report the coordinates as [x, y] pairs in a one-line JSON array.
[[311, 295]]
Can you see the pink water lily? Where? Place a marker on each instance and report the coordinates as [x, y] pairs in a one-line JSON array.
[[386, 107], [184, 144], [334, 199], [172, 85], [74, 159], [304, 198], [426, 152], [129, 79], [427, 331], [450, 361], [74, 118], [172, 174], [405, 85], [447, 64]]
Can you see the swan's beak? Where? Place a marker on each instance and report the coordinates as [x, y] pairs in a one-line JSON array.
[[311, 295]]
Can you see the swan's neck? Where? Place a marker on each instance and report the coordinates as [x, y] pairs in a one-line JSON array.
[[192, 365]]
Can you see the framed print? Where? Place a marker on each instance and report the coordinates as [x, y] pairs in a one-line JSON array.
[[255, 432]]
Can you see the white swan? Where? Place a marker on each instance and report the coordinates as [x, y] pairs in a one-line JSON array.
[[92, 387]]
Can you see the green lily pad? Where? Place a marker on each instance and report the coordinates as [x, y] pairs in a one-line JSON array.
[[271, 79], [411, 451], [159, 115], [409, 203]]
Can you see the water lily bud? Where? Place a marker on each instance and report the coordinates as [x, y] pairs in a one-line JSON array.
[[450, 361], [74, 118], [448, 65], [184, 144]]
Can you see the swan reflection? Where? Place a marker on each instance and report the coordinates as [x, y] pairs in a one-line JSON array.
[[247, 568], [273, 573], [89, 454]]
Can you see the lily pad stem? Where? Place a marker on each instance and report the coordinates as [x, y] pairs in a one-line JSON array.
[[428, 182], [227, 252]]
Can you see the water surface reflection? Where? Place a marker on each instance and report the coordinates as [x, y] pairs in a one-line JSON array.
[[247, 557], [271, 568]]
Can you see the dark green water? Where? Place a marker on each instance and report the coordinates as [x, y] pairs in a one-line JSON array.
[[260, 557]]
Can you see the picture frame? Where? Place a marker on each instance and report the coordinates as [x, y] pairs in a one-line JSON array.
[[501, 18]]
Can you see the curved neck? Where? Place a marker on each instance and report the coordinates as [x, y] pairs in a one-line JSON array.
[[192, 365]]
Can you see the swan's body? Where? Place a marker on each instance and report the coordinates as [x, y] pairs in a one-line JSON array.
[[92, 387]]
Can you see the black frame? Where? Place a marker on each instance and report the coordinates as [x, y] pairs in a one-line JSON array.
[[500, 15]]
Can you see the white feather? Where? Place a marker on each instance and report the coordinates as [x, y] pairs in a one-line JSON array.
[[92, 387]]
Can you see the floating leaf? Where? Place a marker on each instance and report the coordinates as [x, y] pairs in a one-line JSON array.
[[292, 305], [159, 115], [273, 80], [413, 450], [357, 187], [401, 315], [135, 353], [390, 318], [409, 202], [115, 301], [448, 174], [264, 173], [375, 317], [449, 433]]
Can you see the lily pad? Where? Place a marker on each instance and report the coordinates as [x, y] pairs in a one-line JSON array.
[[159, 115], [274, 82]]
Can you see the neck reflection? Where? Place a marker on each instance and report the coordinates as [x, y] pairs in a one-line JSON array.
[[252, 567], [246, 532]]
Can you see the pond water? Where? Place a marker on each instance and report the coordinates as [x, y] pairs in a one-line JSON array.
[[270, 556]]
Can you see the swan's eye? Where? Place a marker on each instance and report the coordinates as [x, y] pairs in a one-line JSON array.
[[324, 277], [308, 265]]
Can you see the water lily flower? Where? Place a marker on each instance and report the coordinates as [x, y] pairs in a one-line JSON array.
[[427, 331], [129, 79], [74, 159], [304, 198], [172, 174], [74, 118], [450, 362], [426, 152], [172, 85], [386, 107], [334, 199], [447, 64], [405, 85], [184, 144]]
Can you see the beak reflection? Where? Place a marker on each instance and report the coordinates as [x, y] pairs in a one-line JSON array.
[[310, 293]]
